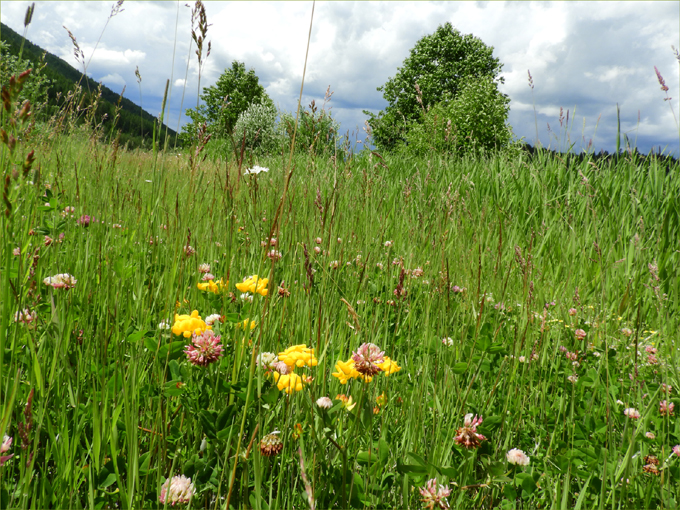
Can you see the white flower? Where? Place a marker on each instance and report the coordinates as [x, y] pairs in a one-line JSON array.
[[266, 360], [178, 490], [61, 281], [210, 319], [517, 457], [572, 378], [204, 268], [650, 435], [448, 341], [6, 444], [256, 170], [324, 402], [632, 413], [246, 296], [25, 316], [388, 244], [163, 325]]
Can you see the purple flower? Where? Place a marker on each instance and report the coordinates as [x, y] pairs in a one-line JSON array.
[[434, 495], [467, 435], [366, 359], [84, 220], [206, 348], [6, 445], [661, 80]]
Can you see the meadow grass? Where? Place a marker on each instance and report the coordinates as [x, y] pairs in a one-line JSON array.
[[538, 294]]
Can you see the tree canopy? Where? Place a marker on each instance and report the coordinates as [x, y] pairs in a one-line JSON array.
[[223, 103], [437, 64]]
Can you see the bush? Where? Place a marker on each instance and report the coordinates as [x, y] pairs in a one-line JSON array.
[[36, 85], [259, 124], [316, 133], [472, 122]]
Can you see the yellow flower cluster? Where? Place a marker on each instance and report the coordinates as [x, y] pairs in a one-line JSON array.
[[295, 356], [254, 284], [298, 356], [346, 370], [213, 286], [189, 324], [244, 324], [288, 382]]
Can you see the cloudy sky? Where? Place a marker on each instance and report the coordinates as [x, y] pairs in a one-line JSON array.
[[584, 56]]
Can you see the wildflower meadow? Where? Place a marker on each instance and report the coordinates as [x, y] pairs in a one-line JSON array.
[[340, 330]]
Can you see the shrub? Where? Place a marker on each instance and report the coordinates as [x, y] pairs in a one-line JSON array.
[[317, 130], [474, 121], [261, 133]]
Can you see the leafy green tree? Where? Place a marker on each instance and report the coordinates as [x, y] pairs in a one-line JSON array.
[[223, 103], [437, 63], [475, 120]]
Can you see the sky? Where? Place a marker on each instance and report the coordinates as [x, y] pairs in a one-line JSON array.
[[584, 57]]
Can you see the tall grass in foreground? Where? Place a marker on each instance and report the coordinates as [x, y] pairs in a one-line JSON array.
[[539, 295]]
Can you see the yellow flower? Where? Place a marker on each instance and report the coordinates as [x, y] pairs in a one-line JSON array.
[[254, 284], [298, 355], [346, 402], [345, 371], [388, 366], [188, 324], [288, 382], [212, 286], [244, 324]]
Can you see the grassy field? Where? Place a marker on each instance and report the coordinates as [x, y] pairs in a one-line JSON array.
[[522, 305]]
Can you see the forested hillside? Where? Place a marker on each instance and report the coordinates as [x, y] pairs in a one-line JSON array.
[[134, 124]]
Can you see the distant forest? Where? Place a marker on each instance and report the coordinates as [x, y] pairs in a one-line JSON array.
[[134, 124]]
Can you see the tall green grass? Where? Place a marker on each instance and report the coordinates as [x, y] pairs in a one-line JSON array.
[[117, 408]]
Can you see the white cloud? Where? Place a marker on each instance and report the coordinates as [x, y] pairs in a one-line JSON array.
[[113, 81]]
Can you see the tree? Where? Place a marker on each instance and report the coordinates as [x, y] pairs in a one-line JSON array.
[[223, 103], [437, 63], [472, 122]]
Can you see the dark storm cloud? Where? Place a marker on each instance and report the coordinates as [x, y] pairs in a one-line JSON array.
[[591, 55]]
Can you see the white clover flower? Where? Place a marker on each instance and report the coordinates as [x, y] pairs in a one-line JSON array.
[[61, 281], [632, 413], [164, 325], [266, 360], [256, 170], [210, 319], [324, 402], [517, 457], [178, 490]]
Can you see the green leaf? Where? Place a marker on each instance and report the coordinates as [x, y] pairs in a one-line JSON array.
[[144, 463], [496, 349], [173, 349], [510, 492], [459, 368], [136, 337], [529, 485], [208, 421]]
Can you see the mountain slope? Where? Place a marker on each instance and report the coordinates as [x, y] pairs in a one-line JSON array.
[[135, 124]]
